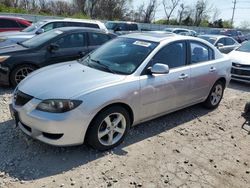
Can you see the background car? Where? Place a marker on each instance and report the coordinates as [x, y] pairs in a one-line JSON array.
[[120, 27], [55, 46], [9, 23], [223, 43], [9, 38], [241, 63], [127, 81], [237, 35], [182, 31]]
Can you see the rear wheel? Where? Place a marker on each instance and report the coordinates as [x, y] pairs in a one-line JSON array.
[[108, 128], [215, 95], [20, 72]]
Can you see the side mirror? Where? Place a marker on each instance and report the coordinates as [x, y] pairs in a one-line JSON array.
[[220, 45], [53, 47], [39, 31], [159, 68], [117, 29]]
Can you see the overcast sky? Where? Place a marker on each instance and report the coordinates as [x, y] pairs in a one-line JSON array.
[[225, 7]]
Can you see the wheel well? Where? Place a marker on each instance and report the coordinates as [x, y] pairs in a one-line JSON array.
[[22, 64], [123, 105], [223, 80]]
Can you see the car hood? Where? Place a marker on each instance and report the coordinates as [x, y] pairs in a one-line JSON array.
[[240, 57], [66, 81], [11, 48]]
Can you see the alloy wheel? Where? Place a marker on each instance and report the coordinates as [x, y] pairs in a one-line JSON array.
[[112, 129]]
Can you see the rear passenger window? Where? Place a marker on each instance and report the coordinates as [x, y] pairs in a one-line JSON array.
[[230, 41], [173, 55], [4, 23], [200, 53], [96, 39], [132, 27], [48, 27]]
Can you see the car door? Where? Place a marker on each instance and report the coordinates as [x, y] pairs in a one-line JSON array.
[[203, 69], [8, 25], [96, 39], [71, 47], [166, 92], [231, 44]]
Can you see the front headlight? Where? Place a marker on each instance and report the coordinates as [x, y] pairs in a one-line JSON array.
[[3, 58], [58, 105]]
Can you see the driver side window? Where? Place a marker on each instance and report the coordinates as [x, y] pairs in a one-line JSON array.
[[72, 41], [173, 55]]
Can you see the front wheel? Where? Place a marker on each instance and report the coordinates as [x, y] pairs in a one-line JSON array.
[[215, 95], [109, 128], [20, 72]]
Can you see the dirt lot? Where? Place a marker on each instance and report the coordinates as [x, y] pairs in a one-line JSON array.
[[193, 147]]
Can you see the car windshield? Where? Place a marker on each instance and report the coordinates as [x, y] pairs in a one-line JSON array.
[[40, 39], [33, 27], [209, 39], [245, 47], [121, 55]]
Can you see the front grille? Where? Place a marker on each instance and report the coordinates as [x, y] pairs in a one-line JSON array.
[[240, 78], [240, 72], [21, 98], [240, 65]]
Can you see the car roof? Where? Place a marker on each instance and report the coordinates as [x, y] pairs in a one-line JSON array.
[[12, 17], [69, 29], [72, 20], [214, 36], [121, 22], [157, 37]]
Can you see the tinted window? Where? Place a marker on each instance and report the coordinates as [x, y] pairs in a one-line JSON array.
[[209, 39], [72, 41], [173, 55], [59, 24], [200, 52], [180, 31], [22, 25], [80, 24], [8, 24], [48, 27], [229, 41], [222, 41], [132, 27], [96, 39]]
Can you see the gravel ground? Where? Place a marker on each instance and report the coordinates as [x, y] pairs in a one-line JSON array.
[[193, 147]]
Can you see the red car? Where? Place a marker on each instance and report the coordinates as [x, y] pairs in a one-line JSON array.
[[8, 23]]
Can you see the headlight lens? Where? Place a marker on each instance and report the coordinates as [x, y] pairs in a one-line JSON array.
[[3, 58], [58, 105]]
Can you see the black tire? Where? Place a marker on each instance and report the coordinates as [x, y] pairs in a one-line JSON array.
[[98, 123], [247, 110], [209, 102], [15, 78]]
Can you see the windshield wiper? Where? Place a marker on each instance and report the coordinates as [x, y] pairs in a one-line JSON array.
[[21, 44], [104, 66]]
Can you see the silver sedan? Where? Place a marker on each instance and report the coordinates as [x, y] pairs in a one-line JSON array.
[[129, 80]]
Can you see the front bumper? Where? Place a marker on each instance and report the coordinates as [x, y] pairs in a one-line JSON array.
[[240, 72], [62, 129], [4, 75]]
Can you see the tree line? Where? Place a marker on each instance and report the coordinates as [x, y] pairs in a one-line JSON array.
[[176, 11]]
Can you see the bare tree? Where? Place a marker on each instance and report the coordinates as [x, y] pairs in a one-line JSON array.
[[169, 7], [201, 11], [216, 14], [149, 13]]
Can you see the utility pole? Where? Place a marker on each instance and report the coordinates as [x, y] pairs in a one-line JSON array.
[[234, 7]]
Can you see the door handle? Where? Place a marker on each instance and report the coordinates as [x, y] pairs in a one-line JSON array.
[[212, 69], [183, 76]]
